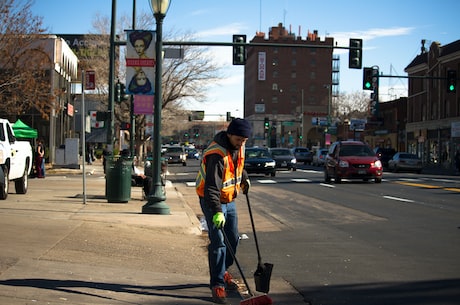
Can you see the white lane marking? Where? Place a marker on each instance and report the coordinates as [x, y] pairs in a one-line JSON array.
[[301, 180], [268, 181], [190, 183], [327, 185], [398, 199]]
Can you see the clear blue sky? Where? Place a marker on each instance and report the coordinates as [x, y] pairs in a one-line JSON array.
[[391, 32]]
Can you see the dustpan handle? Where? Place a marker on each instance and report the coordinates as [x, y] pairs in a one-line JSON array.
[[230, 250], [259, 258]]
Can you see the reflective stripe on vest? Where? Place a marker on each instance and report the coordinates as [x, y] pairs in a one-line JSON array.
[[230, 184]]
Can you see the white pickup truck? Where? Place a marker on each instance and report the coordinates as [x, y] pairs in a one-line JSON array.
[[15, 161]]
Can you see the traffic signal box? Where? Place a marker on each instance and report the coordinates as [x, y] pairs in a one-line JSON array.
[[239, 51], [367, 79], [120, 92], [125, 126], [355, 54], [266, 123], [451, 81]]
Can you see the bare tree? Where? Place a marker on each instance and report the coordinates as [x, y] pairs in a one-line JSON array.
[[24, 63], [354, 105], [184, 79]]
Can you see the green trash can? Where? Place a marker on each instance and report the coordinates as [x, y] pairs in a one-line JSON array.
[[118, 179]]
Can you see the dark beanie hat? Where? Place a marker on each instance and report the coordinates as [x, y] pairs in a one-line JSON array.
[[239, 127]]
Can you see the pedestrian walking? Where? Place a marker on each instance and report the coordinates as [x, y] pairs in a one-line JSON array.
[[457, 160], [220, 178], [39, 155]]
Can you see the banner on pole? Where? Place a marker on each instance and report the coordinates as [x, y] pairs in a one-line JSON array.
[[140, 62]]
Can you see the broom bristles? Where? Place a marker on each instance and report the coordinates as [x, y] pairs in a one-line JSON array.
[[258, 300]]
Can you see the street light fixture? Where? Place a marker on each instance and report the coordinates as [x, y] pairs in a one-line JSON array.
[[156, 198]]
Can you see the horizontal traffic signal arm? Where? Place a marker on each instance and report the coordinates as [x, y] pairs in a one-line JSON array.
[[250, 44]]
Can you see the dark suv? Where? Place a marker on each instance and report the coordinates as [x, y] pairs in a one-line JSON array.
[[352, 160]]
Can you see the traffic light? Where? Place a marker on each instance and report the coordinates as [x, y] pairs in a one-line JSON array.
[[229, 116], [120, 92], [239, 51], [266, 123], [125, 126], [355, 54], [451, 81], [367, 79]]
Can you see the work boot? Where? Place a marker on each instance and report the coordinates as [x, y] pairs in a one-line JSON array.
[[219, 295], [230, 282]]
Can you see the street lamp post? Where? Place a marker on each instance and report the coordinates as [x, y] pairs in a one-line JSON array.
[[156, 198]]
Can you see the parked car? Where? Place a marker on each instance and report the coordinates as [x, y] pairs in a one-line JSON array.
[[384, 154], [352, 160], [284, 158], [319, 157], [175, 154], [259, 161], [405, 161], [302, 154]]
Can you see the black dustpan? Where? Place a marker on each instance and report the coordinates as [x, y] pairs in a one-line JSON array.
[[263, 272], [262, 277]]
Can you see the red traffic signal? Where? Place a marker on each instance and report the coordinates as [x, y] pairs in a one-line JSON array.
[[125, 126]]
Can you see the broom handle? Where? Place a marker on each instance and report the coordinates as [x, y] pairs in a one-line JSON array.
[[259, 258], [230, 250]]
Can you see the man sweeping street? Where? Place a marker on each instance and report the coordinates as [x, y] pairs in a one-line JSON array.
[[220, 178]]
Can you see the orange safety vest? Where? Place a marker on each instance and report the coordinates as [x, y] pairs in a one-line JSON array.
[[231, 178]]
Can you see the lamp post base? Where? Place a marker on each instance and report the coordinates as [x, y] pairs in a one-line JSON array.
[[156, 203]]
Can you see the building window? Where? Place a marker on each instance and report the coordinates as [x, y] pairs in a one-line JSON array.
[[294, 50], [293, 99], [313, 62], [293, 74], [275, 50], [275, 74], [294, 62], [312, 75], [275, 87], [275, 62], [274, 99], [293, 88]]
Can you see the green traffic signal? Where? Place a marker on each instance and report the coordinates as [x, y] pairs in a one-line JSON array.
[[367, 85], [451, 80]]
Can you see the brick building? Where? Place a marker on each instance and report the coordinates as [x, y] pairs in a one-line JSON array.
[[433, 113], [290, 86]]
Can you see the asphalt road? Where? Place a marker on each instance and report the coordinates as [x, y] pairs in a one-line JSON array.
[[356, 242]]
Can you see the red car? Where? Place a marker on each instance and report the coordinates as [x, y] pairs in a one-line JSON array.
[[352, 160]]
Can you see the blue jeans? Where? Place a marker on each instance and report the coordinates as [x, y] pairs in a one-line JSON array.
[[219, 258]]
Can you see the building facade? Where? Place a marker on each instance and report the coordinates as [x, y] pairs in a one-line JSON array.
[[290, 86], [433, 111]]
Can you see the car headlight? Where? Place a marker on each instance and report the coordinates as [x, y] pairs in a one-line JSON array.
[[343, 163], [270, 164], [378, 164], [294, 161]]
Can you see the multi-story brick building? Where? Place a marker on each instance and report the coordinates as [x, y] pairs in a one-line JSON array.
[[433, 113], [290, 85]]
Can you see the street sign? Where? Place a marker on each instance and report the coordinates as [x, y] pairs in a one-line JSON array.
[[90, 80]]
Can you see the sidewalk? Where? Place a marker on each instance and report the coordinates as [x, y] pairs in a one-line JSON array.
[[57, 250]]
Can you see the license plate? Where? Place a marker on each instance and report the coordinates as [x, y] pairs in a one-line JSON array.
[[361, 172], [284, 163]]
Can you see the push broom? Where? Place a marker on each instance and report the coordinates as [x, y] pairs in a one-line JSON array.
[[254, 299], [263, 272]]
